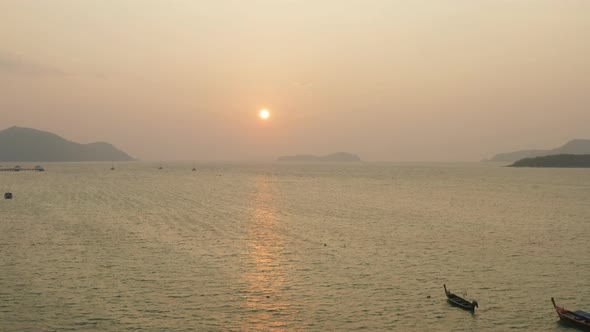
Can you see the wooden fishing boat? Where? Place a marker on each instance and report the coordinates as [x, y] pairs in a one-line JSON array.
[[578, 318], [459, 301]]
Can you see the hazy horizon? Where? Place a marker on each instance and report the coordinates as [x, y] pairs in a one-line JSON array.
[[387, 80]]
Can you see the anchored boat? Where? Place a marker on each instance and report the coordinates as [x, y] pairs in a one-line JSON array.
[[578, 318], [459, 301]]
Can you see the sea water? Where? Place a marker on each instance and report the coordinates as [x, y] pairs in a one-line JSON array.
[[292, 247]]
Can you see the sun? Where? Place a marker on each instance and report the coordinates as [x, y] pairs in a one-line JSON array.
[[264, 114]]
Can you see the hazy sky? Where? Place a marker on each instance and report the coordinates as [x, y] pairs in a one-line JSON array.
[[387, 79]]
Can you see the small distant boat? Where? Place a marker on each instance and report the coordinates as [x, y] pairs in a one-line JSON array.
[[194, 168], [578, 318], [459, 301], [39, 168], [7, 195], [160, 167], [112, 166]]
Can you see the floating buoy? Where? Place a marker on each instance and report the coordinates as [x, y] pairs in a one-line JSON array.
[[7, 195]]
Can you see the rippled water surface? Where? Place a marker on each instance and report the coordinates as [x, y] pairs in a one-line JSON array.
[[292, 247]]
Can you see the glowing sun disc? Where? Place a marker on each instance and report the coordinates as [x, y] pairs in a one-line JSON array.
[[264, 114]]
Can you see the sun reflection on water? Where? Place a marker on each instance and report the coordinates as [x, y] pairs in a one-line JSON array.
[[263, 273]]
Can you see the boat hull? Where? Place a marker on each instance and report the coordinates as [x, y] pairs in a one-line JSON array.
[[467, 306], [572, 318], [459, 301]]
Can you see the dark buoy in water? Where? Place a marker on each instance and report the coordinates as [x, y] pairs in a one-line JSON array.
[[7, 195], [428, 297], [325, 245]]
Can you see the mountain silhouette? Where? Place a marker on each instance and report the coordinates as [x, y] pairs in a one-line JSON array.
[[576, 146], [27, 144], [559, 160]]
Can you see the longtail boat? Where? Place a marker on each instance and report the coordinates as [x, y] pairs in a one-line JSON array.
[[459, 301], [578, 318]]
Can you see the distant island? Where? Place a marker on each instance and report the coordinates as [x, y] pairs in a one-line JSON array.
[[560, 160], [573, 147], [30, 145], [335, 157]]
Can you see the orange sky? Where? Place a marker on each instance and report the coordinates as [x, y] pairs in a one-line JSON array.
[[387, 79]]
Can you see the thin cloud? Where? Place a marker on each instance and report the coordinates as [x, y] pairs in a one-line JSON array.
[[17, 65]]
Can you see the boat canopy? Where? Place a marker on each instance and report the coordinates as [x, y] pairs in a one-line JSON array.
[[582, 313]]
